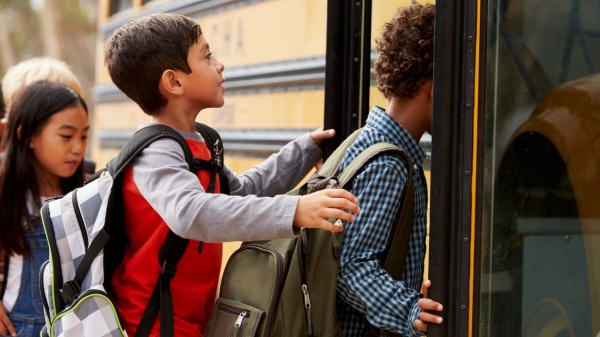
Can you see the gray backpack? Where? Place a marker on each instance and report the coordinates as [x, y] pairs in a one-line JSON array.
[[287, 287]]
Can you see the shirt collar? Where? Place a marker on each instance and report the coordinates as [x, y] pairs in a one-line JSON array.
[[395, 133]]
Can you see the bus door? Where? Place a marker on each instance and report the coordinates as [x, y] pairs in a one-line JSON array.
[[515, 202]]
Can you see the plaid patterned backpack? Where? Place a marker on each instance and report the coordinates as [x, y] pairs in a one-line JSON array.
[[86, 236]]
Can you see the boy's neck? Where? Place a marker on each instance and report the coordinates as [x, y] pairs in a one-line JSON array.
[[414, 114], [411, 114], [177, 118]]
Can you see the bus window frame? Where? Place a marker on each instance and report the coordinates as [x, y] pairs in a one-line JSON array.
[[456, 181], [347, 68], [113, 7], [453, 266]]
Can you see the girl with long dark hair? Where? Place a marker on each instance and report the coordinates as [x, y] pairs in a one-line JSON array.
[[45, 142]]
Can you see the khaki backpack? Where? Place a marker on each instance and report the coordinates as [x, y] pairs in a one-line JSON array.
[[287, 287]]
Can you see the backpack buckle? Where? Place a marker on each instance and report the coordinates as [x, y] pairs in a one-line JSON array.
[[168, 269], [197, 164], [70, 291], [217, 149]]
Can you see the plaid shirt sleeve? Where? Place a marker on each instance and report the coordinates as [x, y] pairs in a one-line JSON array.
[[362, 283]]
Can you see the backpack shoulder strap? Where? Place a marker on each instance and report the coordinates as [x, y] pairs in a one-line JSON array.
[[173, 247], [396, 255], [332, 164], [140, 140], [212, 138], [398, 250], [215, 145]]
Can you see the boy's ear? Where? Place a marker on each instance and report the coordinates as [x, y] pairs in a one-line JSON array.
[[169, 83], [428, 88]]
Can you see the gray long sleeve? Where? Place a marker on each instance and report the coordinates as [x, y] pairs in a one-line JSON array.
[[280, 172], [163, 179]]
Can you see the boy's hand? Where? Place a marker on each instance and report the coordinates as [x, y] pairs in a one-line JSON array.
[[318, 136], [427, 305], [315, 209], [6, 327]]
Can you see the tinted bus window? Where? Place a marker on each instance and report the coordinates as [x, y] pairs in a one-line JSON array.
[[540, 267], [117, 6]]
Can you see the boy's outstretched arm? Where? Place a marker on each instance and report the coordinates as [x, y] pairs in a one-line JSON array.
[[282, 171], [315, 209]]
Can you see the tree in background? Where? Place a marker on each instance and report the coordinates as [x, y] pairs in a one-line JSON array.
[[63, 29]]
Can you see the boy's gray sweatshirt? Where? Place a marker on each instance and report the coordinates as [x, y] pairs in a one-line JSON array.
[[251, 212]]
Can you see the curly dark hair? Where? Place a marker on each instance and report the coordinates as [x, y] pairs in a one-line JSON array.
[[405, 50]]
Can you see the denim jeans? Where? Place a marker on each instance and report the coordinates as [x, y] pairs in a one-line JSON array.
[[27, 316]]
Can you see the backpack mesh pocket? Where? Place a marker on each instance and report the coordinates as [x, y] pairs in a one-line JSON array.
[[233, 319]]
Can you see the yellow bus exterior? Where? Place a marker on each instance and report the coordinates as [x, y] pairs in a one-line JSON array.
[[274, 57]]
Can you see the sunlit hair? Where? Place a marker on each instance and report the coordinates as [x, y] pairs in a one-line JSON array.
[[405, 50], [138, 53], [34, 70], [30, 113], [2, 105]]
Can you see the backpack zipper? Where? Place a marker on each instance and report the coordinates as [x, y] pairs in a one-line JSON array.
[[242, 313], [56, 271], [278, 284], [80, 219], [307, 308], [301, 252], [234, 310]]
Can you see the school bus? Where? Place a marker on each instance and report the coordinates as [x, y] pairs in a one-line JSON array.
[[274, 70], [513, 168]]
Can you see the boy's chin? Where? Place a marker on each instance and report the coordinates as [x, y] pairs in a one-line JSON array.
[[216, 105]]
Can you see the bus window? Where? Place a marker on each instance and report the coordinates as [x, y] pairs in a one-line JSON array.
[[540, 262], [117, 6]]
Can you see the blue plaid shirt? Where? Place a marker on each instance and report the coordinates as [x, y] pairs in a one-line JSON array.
[[364, 288]]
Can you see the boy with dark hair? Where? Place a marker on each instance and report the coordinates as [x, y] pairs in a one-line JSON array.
[[164, 63], [404, 74]]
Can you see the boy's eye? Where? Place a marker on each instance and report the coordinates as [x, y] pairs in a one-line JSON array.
[[208, 56], [66, 136], [84, 137]]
